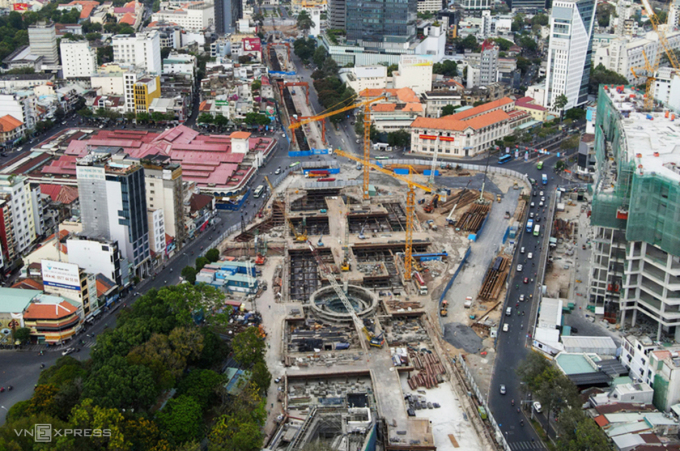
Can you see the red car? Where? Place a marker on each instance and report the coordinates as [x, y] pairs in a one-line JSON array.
[[526, 280]]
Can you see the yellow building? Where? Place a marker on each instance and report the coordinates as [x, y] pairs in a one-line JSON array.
[[146, 89], [538, 112]]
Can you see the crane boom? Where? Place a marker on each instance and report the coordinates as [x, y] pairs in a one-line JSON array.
[[319, 117], [410, 206], [328, 274], [654, 19]]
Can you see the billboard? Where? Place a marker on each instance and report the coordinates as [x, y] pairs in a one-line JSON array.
[[60, 275], [20, 7], [252, 45]]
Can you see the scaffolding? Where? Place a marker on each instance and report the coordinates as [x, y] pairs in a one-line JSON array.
[[626, 196]]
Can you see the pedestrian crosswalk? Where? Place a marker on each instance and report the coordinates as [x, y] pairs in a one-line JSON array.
[[526, 445]]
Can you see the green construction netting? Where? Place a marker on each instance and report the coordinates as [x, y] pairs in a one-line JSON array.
[[660, 393], [654, 213]]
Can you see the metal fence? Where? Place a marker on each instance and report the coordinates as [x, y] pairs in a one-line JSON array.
[[500, 438]]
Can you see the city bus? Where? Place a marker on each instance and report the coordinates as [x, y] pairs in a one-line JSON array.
[[530, 225], [382, 157], [505, 158], [537, 230], [539, 166], [258, 191], [545, 179], [292, 165]]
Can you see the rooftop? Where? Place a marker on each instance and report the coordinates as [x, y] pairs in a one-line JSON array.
[[15, 300], [9, 123], [652, 140]]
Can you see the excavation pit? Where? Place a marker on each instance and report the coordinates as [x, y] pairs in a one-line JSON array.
[[326, 304]]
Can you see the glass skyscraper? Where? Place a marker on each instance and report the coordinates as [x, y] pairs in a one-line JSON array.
[[381, 21]]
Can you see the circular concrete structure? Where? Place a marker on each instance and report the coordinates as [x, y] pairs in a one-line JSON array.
[[326, 304]]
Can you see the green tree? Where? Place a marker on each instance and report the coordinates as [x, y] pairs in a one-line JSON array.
[[117, 384], [143, 117], [157, 117], [189, 274], [561, 102], [518, 22], [448, 110], [528, 43], [205, 386], [304, 22], [248, 347], [84, 112], [104, 54], [503, 44], [575, 114], [570, 143], [399, 138], [221, 120], [391, 68], [601, 75], [540, 19], [233, 434], [205, 118], [212, 255], [201, 262], [523, 64], [531, 368], [181, 418], [470, 43], [261, 376], [320, 55], [447, 67], [256, 85], [22, 334], [89, 415]]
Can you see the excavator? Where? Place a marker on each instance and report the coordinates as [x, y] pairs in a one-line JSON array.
[[429, 208]]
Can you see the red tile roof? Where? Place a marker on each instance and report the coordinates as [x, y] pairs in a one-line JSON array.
[[601, 420], [199, 202], [240, 135], [62, 194], [9, 123], [88, 6], [128, 18], [28, 284], [448, 123], [405, 95], [37, 311]]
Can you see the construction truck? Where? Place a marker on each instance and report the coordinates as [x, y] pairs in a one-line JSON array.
[[345, 264], [445, 308], [260, 259]]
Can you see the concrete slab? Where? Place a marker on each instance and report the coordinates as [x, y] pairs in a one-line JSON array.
[[449, 419]]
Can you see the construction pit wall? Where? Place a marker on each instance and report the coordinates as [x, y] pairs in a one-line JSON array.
[[417, 404]]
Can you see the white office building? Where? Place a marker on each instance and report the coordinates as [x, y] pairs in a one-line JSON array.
[[97, 256], [430, 6], [20, 107], [569, 53], [178, 63], [17, 191], [667, 87], [42, 39], [364, 77], [142, 50], [196, 17], [414, 72], [78, 59], [157, 233], [113, 206]]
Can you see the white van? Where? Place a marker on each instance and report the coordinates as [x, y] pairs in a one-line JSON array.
[[508, 311]]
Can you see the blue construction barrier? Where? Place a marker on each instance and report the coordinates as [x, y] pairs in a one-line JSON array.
[[506, 234], [481, 228], [401, 171], [233, 206], [455, 274], [428, 171], [308, 153], [330, 170], [280, 72]]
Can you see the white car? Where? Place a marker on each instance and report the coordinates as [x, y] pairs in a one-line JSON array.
[[542, 199], [532, 205], [521, 251], [537, 407], [531, 215], [540, 204], [530, 255], [521, 298], [278, 171], [519, 268], [506, 327], [68, 351], [540, 193]]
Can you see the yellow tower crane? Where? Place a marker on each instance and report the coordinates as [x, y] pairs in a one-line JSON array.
[[367, 130], [410, 206], [651, 68]]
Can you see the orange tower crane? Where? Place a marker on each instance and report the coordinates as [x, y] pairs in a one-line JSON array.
[[367, 131], [410, 206]]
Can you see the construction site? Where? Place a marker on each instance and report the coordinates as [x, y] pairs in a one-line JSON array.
[[355, 302]]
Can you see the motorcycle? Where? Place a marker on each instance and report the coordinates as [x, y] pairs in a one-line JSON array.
[[512, 402], [9, 387], [42, 365], [521, 422]]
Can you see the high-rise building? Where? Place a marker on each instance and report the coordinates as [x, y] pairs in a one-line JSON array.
[[146, 89], [635, 261], [532, 5], [432, 6], [42, 39], [227, 14], [113, 205], [7, 245], [142, 50], [192, 17], [673, 15], [474, 8], [337, 13], [164, 191], [78, 59], [98, 256], [570, 51], [16, 191], [488, 67], [391, 21]]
